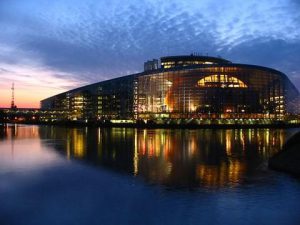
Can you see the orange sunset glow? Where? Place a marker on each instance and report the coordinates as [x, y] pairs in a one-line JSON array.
[[32, 84]]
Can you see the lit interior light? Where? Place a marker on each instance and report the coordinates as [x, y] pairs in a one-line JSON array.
[[222, 81]]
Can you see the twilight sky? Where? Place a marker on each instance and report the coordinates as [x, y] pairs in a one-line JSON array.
[[50, 46]]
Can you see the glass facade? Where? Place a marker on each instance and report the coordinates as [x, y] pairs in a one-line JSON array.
[[217, 91], [112, 99]]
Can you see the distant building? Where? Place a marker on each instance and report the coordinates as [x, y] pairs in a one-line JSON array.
[[151, 65], [186, 87]]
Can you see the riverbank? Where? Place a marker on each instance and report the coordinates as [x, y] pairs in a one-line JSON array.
[[151, 125], [288, 159]]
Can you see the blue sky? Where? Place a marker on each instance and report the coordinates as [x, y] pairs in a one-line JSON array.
[[54, 45]]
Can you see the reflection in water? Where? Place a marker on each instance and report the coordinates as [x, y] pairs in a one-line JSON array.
[[15, 132], [184, 158], [19, 132], [40, 185], [21, 150]]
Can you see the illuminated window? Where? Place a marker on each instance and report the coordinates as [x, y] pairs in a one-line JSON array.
[[222, 80]]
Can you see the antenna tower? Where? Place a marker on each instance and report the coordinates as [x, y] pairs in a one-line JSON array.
[[13, 96]]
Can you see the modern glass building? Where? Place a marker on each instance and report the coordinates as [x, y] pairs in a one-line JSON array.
[[189, 88]]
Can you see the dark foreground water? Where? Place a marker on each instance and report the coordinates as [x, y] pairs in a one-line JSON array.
[[54, 175]]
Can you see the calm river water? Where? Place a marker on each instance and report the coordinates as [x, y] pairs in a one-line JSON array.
[[55, 175]]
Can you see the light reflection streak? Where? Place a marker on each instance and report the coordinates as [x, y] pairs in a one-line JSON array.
[[213, 158], [136, 156]]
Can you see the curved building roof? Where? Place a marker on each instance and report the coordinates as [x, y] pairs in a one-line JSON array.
[[184, 60]]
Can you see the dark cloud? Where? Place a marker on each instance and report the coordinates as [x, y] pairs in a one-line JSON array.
[[273, 53]]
